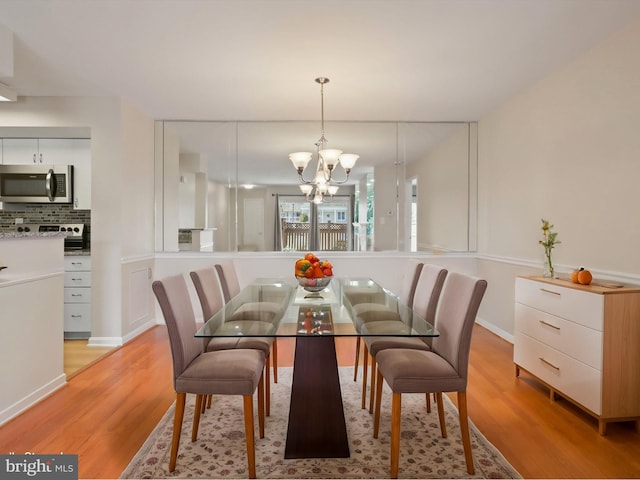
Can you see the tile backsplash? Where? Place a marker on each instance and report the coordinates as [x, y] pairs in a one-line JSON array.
[[42, 214]]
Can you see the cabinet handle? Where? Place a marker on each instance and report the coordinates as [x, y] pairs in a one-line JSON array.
[[549, 291], [40, 158], [34, 158], [549, 363], [76, 263], [76, 316], [76, 294], [549, 324], [76, 279]]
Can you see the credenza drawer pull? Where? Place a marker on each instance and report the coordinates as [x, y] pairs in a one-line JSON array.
[[549, 291], [549, 324], [549, 363], [76, 316]]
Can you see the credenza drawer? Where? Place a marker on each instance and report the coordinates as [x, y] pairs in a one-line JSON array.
[[576, 341], [584, 308], [568, 376]]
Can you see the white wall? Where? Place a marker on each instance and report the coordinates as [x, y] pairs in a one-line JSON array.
[[567, 150]]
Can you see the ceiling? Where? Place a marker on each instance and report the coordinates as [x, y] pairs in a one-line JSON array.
[[256, 60], [406, 60]]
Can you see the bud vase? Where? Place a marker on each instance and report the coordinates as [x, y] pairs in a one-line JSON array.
[[547, 270]]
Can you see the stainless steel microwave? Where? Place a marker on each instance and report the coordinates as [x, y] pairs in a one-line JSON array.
[[36, 183]]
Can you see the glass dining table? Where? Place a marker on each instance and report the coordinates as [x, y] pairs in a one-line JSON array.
[[347, 307]]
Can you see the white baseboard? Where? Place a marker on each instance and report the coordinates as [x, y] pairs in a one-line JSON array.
[[105, 342], [493, 329], [119, 341], [141, 329], [31, 399]]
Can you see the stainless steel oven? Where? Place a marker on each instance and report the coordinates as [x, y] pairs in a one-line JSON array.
[[36, 183]]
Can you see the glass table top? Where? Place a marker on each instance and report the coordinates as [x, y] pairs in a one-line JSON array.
[[346, 307]]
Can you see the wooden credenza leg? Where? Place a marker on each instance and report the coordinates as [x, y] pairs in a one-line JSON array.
[[602, 426]]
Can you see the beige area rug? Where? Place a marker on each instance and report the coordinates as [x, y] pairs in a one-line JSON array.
[[220, 450]]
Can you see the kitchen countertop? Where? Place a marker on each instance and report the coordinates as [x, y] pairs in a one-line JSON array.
[[18, 235]]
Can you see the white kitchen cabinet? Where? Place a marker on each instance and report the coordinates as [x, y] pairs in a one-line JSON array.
[[20, 151], [55, 151], [77, 296], [583, 343]]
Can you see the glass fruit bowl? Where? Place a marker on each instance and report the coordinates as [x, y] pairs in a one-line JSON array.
[[313, 285]]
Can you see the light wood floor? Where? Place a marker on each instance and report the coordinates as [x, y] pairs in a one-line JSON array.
[[78, 356], [107, 410]]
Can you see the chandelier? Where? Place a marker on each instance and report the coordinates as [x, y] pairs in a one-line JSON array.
[[323, 183]]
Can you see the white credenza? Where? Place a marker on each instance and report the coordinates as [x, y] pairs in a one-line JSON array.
[[77, 296], [583, 342]]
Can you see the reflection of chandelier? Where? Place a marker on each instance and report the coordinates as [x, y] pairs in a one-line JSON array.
[[323, 182]]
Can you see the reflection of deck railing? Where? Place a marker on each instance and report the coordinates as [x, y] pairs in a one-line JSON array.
[[332, 236]]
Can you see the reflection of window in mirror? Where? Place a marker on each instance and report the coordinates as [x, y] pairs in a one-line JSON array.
[[304, 225]]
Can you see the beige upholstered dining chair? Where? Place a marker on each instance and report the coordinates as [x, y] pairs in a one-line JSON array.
[[265, 311], [406, 293], [208, 288], [425, 303], [442, 369], [222, 372]]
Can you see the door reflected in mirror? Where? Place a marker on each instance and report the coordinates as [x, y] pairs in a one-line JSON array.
[[233, 185]]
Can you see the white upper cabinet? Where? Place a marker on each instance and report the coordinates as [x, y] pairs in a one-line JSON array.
[[20, 151], [55, 151]]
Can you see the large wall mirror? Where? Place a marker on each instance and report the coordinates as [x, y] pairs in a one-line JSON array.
[[230, 186]]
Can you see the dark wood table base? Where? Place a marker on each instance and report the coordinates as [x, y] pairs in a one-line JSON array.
[[317, 427]]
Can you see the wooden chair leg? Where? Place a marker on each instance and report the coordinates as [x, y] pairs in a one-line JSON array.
[[261, 406], [209, 400], [443, 425], [274, 347], [396, 410], [376, 416], [196, 416], [249, 434], [267, 386], [203, 404], [373, 384], [356, 360], [464, 430], [365, 362], [428, 397], [177, 428]]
